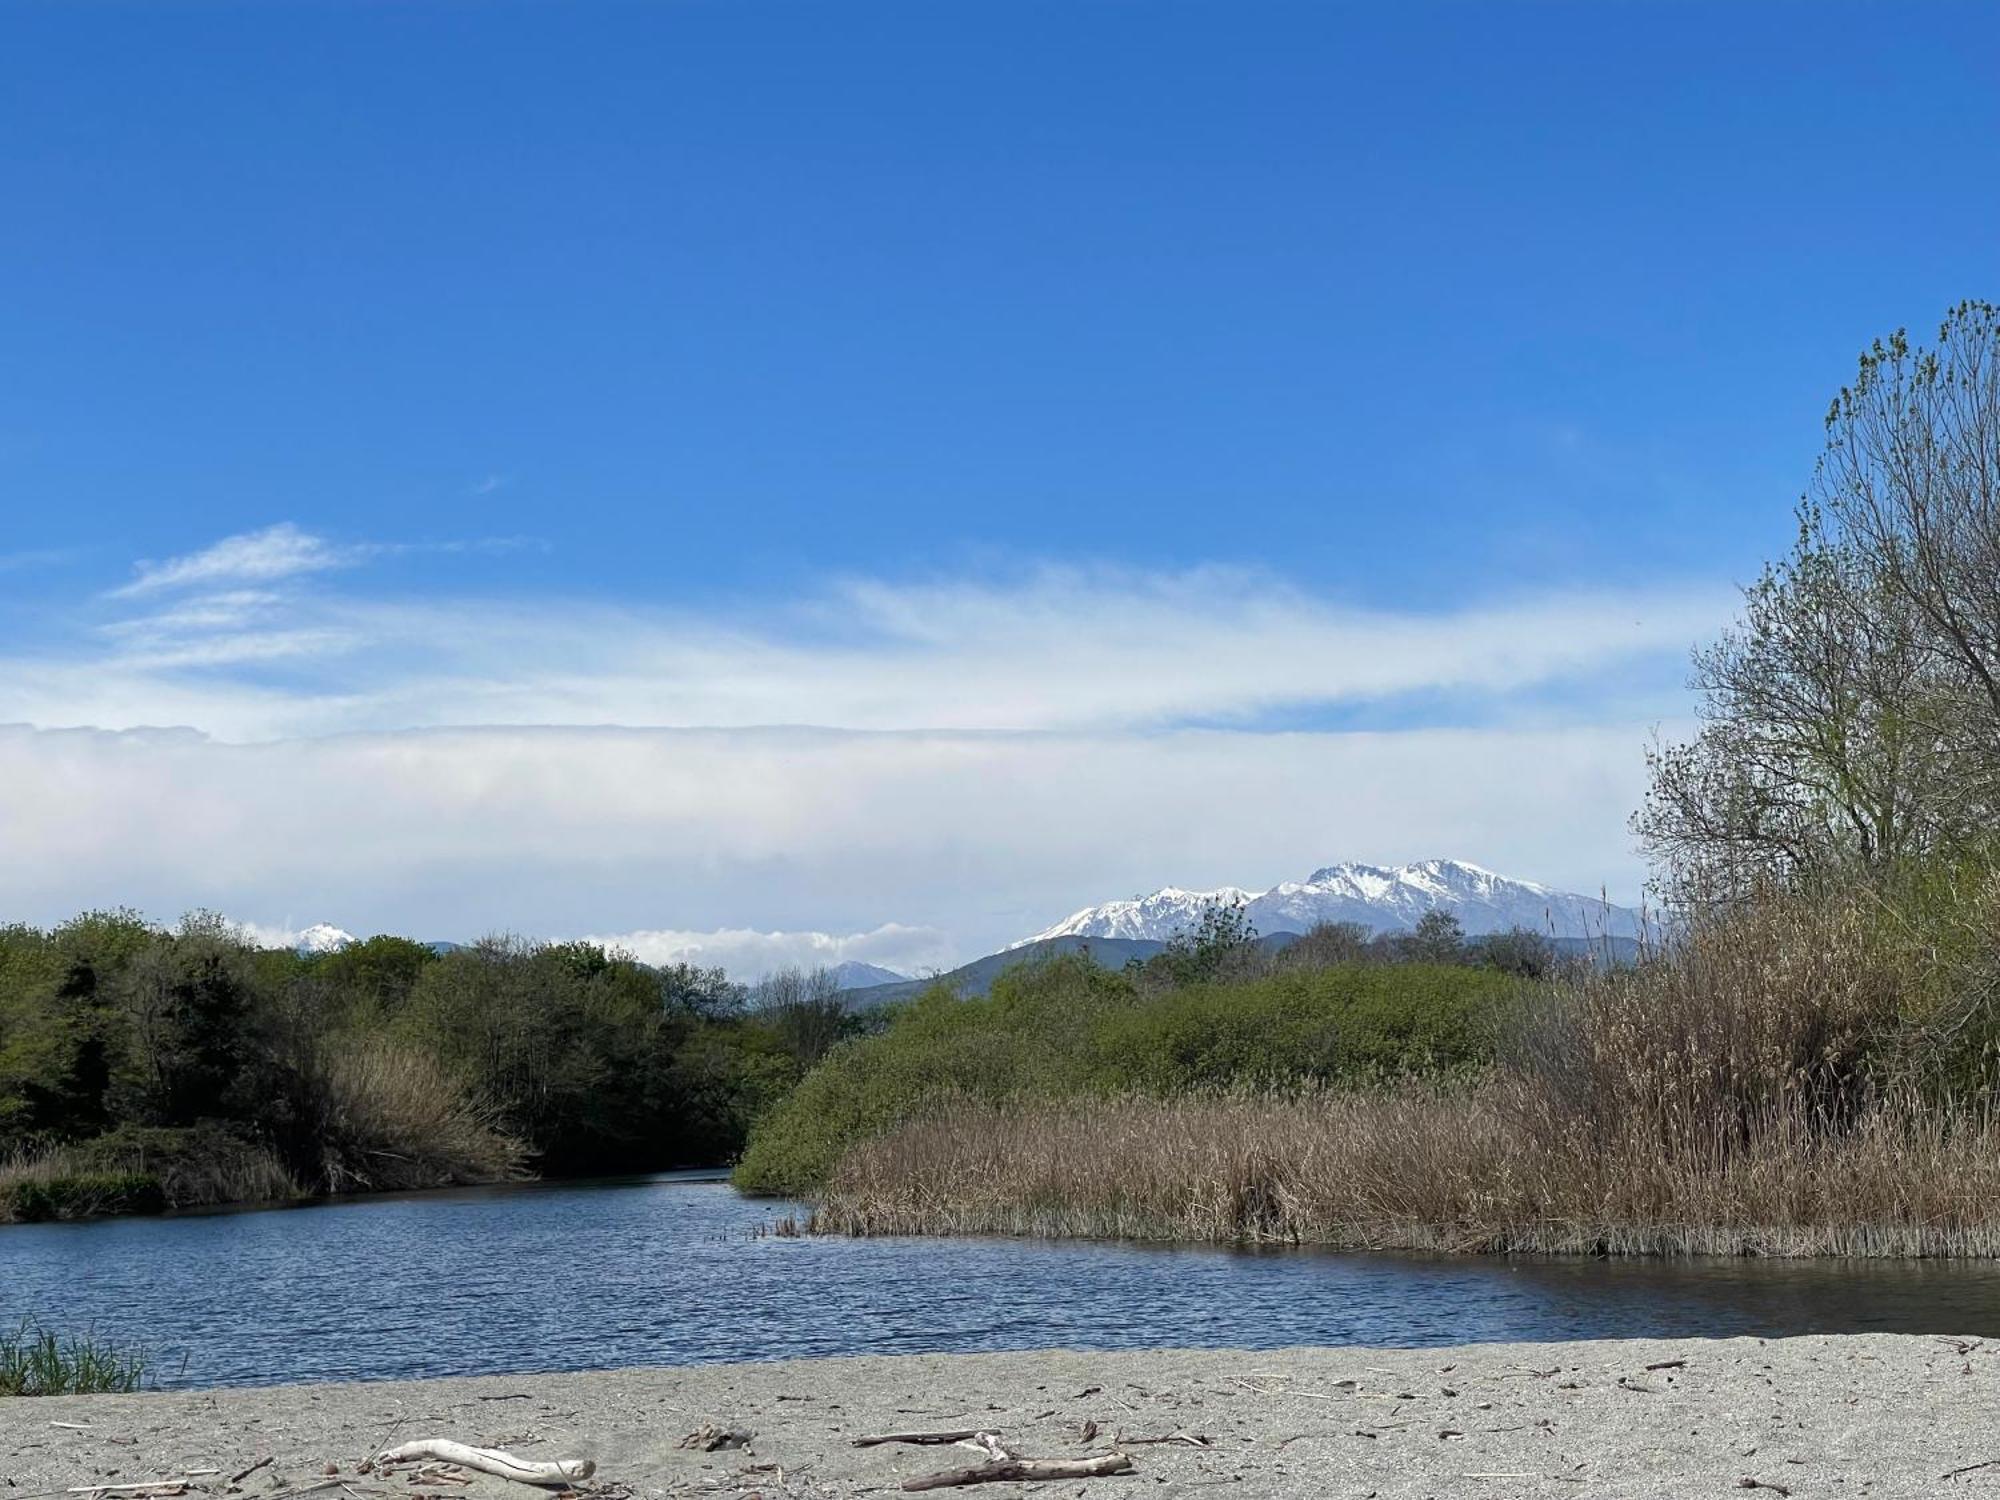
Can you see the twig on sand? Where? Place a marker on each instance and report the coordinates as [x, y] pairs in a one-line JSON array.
[[1986, 1463], [1747, 1483], [949, 1435], [1000, 1470], [242, 1474]]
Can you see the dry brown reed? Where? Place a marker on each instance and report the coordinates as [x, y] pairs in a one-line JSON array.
[[1413, 1170], [133, 1175], [1721, 1099], [393, 1118]]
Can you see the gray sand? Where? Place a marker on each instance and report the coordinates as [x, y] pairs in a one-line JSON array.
[[1877, 1414]]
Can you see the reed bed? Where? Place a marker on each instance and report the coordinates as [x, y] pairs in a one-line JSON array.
[[1412, 1170], [54, 1184], [392, 1118], [1744, 1094], [139, 1172]]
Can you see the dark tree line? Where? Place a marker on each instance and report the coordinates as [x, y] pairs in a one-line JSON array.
[[386, 1064]]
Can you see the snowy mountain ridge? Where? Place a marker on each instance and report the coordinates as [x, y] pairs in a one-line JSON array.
[[1381, 898], [322, 937]]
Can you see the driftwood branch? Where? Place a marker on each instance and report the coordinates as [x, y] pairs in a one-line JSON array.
[[951, 1435], [1000, 1470], [557, 1473]]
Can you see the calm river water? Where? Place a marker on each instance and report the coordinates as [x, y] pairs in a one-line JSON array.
[[667, 1271]]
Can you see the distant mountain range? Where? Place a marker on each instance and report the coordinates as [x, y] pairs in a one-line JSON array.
[[854, 975], [1381, 899], [1391, 899]]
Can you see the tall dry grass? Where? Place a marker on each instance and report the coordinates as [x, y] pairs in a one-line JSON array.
[[139, 1172], [1412, 1170], [1737, 1095], [392, 1118]]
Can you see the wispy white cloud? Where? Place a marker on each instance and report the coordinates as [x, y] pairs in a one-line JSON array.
[[1056, 649], [276, 552], [284, 552]]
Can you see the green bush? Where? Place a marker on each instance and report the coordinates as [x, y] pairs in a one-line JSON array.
[[1065, 1027]]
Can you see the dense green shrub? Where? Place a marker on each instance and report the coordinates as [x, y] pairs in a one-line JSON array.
[[1067, 1027], [144, 1067]]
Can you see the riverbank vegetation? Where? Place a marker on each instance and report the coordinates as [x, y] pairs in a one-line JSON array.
[[1807, 1063], [1066, 1028], [1790, 1079], [143, 1068], [36, 1362]]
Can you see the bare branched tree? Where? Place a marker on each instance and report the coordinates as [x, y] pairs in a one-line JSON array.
[[805, 1008], [1911, 477], [1851, 721]]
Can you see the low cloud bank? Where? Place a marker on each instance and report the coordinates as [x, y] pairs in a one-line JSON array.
[[980, 839]]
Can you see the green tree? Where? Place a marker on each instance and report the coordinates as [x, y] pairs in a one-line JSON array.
[[1221, 945], [1436, 939]]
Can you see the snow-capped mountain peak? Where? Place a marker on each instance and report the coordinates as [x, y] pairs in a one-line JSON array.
[[1383, 899], [322, 937], [1163, 913]]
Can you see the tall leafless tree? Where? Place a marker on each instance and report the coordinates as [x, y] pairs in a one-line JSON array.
[[1851, 720]]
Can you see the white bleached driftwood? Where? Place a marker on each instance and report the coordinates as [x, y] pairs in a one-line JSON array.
[[556, 1473]]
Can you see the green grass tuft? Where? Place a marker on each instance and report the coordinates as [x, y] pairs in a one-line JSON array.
[[36, 1362]]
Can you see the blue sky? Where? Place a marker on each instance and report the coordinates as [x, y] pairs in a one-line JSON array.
[[1068, 396]]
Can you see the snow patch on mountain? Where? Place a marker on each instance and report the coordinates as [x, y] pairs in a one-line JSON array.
[[321, 937], [1383, 899]]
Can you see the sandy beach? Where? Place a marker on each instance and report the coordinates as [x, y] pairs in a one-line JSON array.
[[1819, 1416]]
